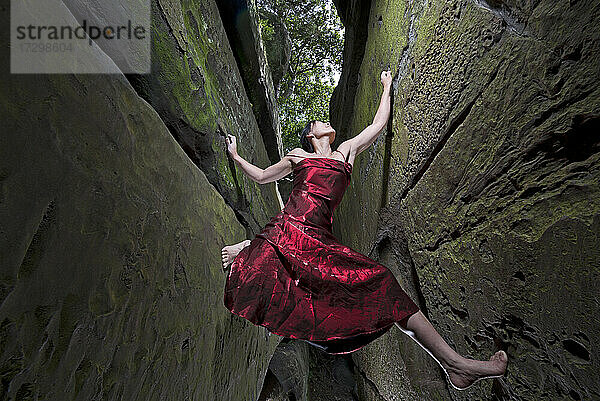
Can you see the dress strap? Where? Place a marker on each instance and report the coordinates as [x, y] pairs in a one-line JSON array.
[[289, 154], [341, 154]]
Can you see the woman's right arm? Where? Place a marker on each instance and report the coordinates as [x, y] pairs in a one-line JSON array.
[[257, 174]]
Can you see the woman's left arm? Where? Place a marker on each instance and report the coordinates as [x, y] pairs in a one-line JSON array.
[[367, 136]]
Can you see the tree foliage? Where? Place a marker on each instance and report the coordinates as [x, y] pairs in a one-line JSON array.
[[315, 59]]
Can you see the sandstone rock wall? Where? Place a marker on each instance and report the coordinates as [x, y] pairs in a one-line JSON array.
[[116, 195], [110, 234], [199, 92], [488, 175], [240, 19]]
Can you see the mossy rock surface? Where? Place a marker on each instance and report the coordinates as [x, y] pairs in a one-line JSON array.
[[484, 185], [199, 92], [110, 237]]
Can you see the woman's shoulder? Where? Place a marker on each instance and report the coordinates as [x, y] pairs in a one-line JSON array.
[[296, 152], [294, 156]]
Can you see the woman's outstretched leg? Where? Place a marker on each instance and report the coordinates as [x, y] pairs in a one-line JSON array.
[[462, 372], [229, 252]]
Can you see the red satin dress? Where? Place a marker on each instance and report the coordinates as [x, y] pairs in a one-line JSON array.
[[298, 281]]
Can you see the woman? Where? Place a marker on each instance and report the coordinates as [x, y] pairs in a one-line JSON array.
[[295, 279]]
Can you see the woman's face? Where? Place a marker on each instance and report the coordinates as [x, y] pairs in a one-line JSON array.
[[320, 129]]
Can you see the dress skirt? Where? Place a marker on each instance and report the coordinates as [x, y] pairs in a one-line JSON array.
[[298, 281]]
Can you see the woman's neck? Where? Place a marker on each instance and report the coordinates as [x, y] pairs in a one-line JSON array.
[[325, 150]]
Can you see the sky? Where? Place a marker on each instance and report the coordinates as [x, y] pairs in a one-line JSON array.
[[329, 6]]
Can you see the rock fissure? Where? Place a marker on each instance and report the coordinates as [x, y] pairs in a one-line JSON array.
[[455, 234], [403, 63], [576, 144], [247, 220], [387, 157], [241, 26], [373, 387], [197, 145], [502, 11], [355, 17], [35, 248]]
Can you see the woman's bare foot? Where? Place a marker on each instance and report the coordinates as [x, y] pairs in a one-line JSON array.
[[229, 252], [464, 373]]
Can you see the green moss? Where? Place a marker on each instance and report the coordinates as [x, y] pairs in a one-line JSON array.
[[196, 100], [425, 30]]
